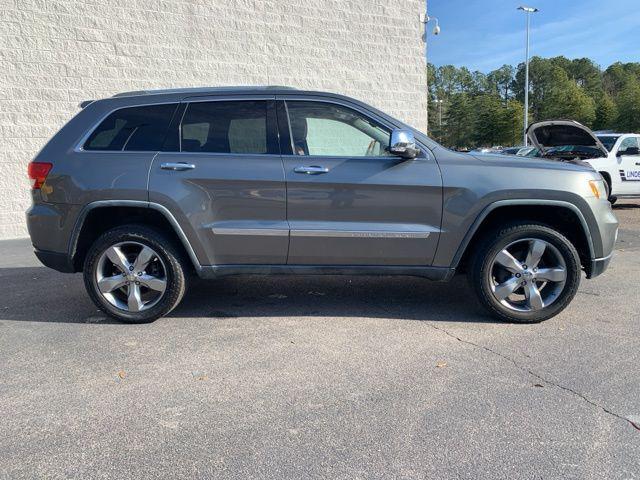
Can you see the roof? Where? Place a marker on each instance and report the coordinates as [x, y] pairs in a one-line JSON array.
[[208, 90]]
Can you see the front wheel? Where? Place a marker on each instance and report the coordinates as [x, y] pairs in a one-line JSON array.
[[525, 273], [134, 274]]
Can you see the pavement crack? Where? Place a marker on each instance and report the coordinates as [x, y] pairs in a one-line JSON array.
[[537, 375]]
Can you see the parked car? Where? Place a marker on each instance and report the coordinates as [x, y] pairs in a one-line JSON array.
[[486, 150], [139, 190], [520, 151], [616, 156]]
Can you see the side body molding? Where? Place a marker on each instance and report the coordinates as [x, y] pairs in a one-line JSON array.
[[524, 201]]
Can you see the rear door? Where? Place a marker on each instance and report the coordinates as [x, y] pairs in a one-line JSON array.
[[221, 176], [349, 202], [629, 166]]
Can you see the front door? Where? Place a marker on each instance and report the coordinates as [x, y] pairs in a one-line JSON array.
[[225, 182], [629, 166], [350, 202]]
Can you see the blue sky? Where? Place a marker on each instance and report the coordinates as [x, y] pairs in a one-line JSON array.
[[483, 35]]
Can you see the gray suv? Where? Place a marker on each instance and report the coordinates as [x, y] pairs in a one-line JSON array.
[[140, 190]]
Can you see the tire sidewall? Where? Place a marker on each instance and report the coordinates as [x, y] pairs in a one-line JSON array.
[[173, 270], [483, 279]]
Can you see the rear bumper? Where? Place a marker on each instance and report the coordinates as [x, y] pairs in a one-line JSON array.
[[50, 227], [56, 260]]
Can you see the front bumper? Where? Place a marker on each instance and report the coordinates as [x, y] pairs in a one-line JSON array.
[[599, 265], [604, 233]]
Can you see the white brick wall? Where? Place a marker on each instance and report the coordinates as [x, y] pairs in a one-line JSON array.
[[55, 53]]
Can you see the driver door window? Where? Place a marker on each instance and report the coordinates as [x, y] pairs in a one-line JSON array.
[[329, 130], [628, 166], [630, 142]]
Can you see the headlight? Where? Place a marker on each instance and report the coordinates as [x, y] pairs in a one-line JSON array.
[[598, 188]]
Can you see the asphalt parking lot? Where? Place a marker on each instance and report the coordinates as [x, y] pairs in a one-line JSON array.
[[319, 377]]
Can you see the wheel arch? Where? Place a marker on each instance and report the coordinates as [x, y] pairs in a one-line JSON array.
[[97, 217], [560, 215]]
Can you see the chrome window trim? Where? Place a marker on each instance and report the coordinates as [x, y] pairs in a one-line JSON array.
[[246, 97], [79, 147], [344, 103], [236, 98]]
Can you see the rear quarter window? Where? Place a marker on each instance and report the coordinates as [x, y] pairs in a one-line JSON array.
[[132, 129]]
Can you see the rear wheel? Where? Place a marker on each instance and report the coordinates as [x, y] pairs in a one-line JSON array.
[[135, 274], [525, 273]]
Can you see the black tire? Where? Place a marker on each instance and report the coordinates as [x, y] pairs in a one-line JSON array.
[[607, 182], [481, 276], [173, 264]]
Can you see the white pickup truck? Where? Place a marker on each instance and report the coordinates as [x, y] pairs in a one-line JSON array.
[[615, 155], [621, 167]]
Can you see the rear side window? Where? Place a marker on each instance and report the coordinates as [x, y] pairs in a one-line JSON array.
[[226, 127], [133, 129]]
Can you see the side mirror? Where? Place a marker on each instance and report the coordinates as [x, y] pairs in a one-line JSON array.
[[403, 144], [628, 151]]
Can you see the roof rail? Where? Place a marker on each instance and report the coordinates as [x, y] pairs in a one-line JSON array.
[[202, 89]]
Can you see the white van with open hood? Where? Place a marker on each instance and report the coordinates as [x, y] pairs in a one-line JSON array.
[[615, 156]]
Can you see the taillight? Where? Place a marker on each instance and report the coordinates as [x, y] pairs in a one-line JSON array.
[[38, 172]]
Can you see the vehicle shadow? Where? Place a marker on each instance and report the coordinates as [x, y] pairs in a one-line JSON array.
[[409, 298], [38, 294], [626, 206]]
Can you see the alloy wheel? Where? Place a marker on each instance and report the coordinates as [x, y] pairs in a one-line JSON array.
[[528, 275], [131, 276]]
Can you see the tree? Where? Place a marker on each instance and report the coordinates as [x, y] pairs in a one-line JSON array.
[[629, 107], [459, 128], [481, 109], [500, 81], [569, 101], [606, 112]]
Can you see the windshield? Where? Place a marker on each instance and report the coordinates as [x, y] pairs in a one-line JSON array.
[[608, 141], [566, 151]]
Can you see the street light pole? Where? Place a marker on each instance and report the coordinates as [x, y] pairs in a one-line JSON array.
[[424, 19], [439, 102], [528, 11]]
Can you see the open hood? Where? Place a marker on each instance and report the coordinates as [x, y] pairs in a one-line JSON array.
[[565, 138]]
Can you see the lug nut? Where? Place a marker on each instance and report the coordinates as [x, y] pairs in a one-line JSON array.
[[131, 268], [137, 283], [518, 275], [139, 274], [524, 266]]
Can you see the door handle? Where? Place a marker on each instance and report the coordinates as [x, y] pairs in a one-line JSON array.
[[311, 170], [177, 166]]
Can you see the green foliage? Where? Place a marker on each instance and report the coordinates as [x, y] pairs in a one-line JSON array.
[[486, 109], [606, 112], [629, 106]]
